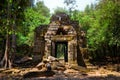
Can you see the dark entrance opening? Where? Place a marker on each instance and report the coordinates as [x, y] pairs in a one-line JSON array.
[[61, 50]]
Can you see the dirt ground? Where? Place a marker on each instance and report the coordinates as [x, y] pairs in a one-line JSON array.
[[90, 73]]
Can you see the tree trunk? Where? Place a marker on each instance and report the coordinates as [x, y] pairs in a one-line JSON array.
[[13, 43], [6, 63]]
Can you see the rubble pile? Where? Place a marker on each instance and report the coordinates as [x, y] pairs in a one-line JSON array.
[[51, 63], [54, 64]]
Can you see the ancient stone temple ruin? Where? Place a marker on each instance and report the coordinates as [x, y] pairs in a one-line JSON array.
[[59, 39]]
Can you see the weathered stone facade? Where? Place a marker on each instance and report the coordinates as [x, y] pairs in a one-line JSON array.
[[61, 30], [39, 41], [51, 38]]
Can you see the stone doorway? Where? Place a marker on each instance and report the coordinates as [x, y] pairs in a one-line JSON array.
[[63, 32], [61, 51]]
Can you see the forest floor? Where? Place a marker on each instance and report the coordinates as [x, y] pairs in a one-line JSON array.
[[105, 72]]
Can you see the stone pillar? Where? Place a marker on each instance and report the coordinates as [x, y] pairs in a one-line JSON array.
[[75, 52], [53, 49], [72, 51], [47, 48]]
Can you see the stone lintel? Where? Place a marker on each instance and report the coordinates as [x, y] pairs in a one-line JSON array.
[[63, 38]]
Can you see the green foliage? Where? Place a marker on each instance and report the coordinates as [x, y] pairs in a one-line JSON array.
[[34, 17], [42, 9], [103, 32], [60, 9], [24, 17], [11, 14], [101, 23]]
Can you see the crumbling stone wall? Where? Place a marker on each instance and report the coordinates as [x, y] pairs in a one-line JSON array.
[[60, 29], [39, 41]]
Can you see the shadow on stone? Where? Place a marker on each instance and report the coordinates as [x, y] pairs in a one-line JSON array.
[[39, 74]]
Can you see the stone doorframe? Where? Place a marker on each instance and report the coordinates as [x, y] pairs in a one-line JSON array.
[[72, 46], [55, 48]]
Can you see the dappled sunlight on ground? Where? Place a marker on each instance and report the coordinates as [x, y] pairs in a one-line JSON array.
[[99, 73]]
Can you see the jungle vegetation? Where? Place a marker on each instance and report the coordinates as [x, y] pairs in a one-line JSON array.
[[19, 18]]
